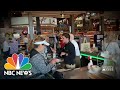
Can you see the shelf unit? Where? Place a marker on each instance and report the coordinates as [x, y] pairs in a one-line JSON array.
[[64, 29], [90, 34]]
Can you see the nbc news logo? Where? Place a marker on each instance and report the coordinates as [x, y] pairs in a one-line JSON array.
[[107, 68], [17, 65]]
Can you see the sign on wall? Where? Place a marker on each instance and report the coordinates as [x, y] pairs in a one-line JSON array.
[[47, 20], [25, 21], [19, 20]]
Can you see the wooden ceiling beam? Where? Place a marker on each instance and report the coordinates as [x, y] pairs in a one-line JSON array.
[[56, 14]]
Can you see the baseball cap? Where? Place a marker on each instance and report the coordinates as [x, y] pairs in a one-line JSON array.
[[42, 42]]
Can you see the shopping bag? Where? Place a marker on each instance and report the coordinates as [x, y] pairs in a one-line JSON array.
[[85, 46]]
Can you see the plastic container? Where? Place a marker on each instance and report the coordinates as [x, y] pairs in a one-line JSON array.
[[95, 69]]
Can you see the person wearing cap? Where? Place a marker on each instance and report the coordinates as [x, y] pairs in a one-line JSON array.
[[40, 66], [77, 50]]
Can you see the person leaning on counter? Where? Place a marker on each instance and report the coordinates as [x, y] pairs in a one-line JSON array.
[[40, 66]]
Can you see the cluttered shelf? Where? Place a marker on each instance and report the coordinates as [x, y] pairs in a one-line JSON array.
[[89, 34]]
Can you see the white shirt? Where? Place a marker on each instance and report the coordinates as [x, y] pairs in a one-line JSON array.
[[77, 51], [5, 46]]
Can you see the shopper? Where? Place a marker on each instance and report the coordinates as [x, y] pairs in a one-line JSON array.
[[40, 66], [6, 48], [13, 46], [25, 40], [113, 49], [118, 41]]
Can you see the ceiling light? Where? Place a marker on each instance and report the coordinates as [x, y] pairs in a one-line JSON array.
[[88, 13], [93, 14], [62, 15]]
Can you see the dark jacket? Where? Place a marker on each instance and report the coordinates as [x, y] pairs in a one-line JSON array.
[[70, 50]]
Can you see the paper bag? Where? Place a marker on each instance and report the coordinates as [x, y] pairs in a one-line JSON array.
[[85, 46]]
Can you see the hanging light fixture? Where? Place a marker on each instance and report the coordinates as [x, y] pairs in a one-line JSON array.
[[62, 15]]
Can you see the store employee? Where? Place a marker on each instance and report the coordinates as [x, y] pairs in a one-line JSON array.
[[68, 52]]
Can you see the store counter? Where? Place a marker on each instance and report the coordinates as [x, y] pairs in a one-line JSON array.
[[99, 76], [82, 73], [97, 59]]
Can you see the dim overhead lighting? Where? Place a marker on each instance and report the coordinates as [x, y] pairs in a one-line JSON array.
[[93, 14], [62, 15], [88, 13], [87, 16]]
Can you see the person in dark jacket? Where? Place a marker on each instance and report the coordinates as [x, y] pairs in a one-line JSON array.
[[69, 52]]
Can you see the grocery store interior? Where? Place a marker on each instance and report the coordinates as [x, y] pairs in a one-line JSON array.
[[95, 25]]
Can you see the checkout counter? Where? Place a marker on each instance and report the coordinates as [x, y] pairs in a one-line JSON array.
[[82, 72], [97, 60]]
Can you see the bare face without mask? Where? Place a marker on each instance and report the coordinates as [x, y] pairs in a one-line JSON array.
[[65, 40]]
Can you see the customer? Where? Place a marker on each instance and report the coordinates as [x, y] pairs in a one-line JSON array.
[[69, 52], [13, 46], [118, 41], [40, 66], [61, 42], [60, 45], [25, 40], [6, 48], [77, 51], [112, 47], [47, 49]]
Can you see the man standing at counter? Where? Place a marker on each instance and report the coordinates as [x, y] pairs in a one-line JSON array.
[[77, 50], [69, 52]]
